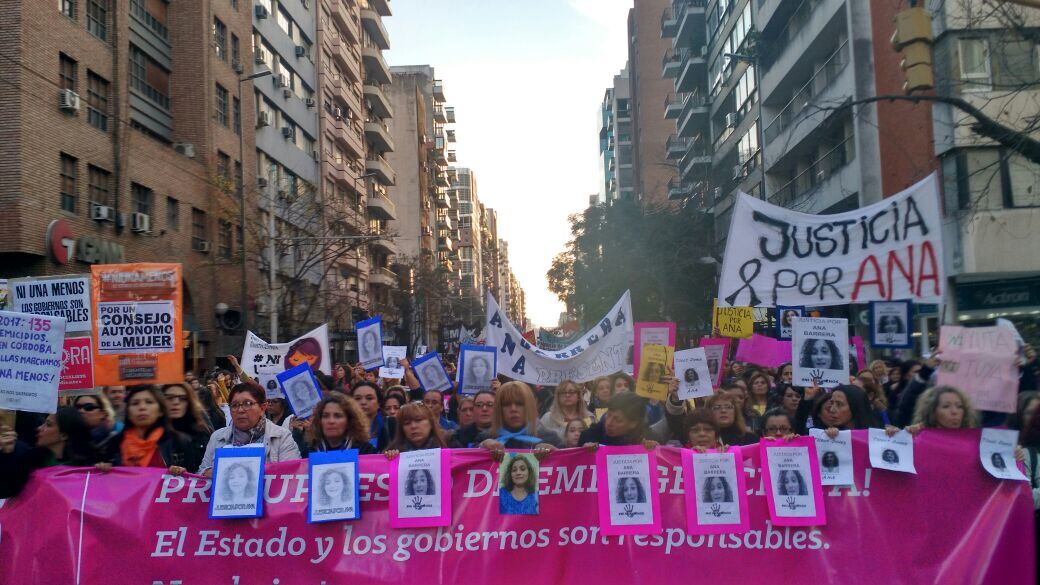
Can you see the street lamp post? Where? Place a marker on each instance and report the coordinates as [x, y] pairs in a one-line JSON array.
[[242, 196]]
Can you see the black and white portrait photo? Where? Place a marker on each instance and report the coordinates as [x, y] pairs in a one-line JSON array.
[[370, 343], [716, 490], [791, 482], [301, 390], [821, 351], [419, 482], [393, 357], [891, 324], [630, 491], [829, 461], [237, 483], [784, 317], [476, 368], [431, 374]]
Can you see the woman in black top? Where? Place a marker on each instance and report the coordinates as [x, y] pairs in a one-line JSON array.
[[338, 424], [624, 424], [187, 416], [62, 439]]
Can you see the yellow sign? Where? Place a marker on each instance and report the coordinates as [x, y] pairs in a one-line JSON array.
[[653, 368], [735, 321]]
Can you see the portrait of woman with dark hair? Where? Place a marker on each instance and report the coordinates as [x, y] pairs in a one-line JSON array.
[[478, 369], [419, 483], [369, 347], [652, 373], [238, 483], [690, 376], [998, 461], [890, 324], [306, 350], [890, 456], [791, 483], [431, 374], [716, 490], [630, 491], [820, 354], [785, 320], [518, 485], [829, 461], [334, 488]]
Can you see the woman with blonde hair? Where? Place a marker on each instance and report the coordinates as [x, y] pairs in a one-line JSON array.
[[417, 430], [944, 407], [732, 430], [515, 424], [567, 405], [338, 424]]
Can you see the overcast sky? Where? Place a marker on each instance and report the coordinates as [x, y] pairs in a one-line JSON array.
[[526, 79]]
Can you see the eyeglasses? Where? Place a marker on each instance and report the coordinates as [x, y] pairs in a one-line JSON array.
[[244, 405], [176, 398], [88, 407]]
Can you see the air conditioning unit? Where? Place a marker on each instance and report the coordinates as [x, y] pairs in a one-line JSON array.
[[201, 246], [287, 132], [310, 102], [261, 12], [100, 212], [731, 120], [260, 56], [185, 148], [281, 80], [301, 51], [261, 182], [140, 223], [264, 119], [68, 100], [237, 66], [287, 93]]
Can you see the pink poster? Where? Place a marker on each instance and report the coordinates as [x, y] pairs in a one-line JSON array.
[[77, 365], [76, 525], [630, 504], [420, 489], [763, 351], [981, 361], [716, 351], [791, 474], [857, 355], [716, 496], [651, 333]]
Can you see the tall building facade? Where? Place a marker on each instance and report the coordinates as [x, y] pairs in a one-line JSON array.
[[121, 143], [470, 242], [615, 141], [648, 51]]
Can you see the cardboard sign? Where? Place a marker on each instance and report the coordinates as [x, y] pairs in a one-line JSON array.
[[420, 489], [477, 368], [716, 351], [784, 323], [301, 390], [735, 321], [58, 296], [651, 383], [715, 492], [77, 365], [334, 486], [980, 361], [263, 361], [891, 324], [238, 483], [370, 343], [792, 482], [647, 334], [30, 361], [629, 502], [392, 356], [821, 354], [430, 372], [691, 367]]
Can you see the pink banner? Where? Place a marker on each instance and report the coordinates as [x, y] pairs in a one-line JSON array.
[[791, 474], [715, 508], [763, 351], [952, 523], [77, 365]]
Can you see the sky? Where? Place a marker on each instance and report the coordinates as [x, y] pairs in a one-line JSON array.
[[526, 78]]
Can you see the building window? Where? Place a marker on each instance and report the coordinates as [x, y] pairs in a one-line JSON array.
[[68, 183], [222, 105], [236, 114], [198, 228], [97, 101], [235, 58], [67, 71], [100, 185], [97, 18], [224, 239], [974, 62], [220, 39], [223, 165], [234, 4], [1024, 179], [68, 8], [149, 78], [238, 175], [173, 214], [141, 199]]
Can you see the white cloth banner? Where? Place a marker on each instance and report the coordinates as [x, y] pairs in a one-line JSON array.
[[263, 361], [601, 351], [891, 250]]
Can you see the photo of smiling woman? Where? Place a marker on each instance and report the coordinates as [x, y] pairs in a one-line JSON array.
[[334, 488], [239, 483], [518, 485], [419, 483], [630, 491], [821, 354], [716, 490], [791, 483]]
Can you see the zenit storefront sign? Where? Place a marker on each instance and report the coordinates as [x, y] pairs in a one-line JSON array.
[[63, 248]]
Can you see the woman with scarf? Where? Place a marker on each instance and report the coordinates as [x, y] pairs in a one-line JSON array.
[[417, 430], [515, 424], [148, 438], [624, 424], [369, 397], [338, 425]]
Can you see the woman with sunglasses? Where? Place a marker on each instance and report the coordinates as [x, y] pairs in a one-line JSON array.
[[188, 417], [99, 416]]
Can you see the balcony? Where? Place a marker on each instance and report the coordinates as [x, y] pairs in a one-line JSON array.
[[378, 100], [445, 244], [384, 244], [441, 178], [376, 69], [378, 165], [438, 114], [818, 84], [373, 24], [380, 6], [341, 14], [677, 190], [449, 113], [828, 165], [452, 157], [693, 72], [380, 206], [690, 30], [672, 107], [671, 64], [438, 89], [450, 134], [346, 55], [441, 201], [378, 134], [695, 159], [382, 277], [677, 146], [446, 222], [694, 116], [669, 24]]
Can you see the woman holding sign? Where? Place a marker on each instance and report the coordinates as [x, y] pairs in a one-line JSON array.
[[516, 424], [729, 419], [417, 430], [62, 439], [148, 438], [568, 405], [843, 408], [370, 398], [338, 425], [624, 424]]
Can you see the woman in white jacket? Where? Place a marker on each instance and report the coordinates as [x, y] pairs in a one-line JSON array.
[[568, 404]]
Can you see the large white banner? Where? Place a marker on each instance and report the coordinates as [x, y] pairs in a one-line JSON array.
[[263, 361], [601, 351], [891, 250]]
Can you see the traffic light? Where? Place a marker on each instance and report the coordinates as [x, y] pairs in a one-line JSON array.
[[913, 38]]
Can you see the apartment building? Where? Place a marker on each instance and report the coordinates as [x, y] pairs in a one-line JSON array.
[[121, 143], [653, 173], [470, 240], [615, 141]]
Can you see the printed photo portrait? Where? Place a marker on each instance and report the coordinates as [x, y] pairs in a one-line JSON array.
[[998, 461], [890, 456], [431, 374], [334, 486], [713, 366], [784, 320], [518, 484], [301, 391], [370, 345], [690, 375], [237, 482], [477, 370], [716, 490], [652, 372], [829, 461], [790, 482], [419, 482], [890, 322], [820, 354], [630, 491]]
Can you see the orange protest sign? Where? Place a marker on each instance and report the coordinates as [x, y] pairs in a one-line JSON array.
[[137, 324]]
